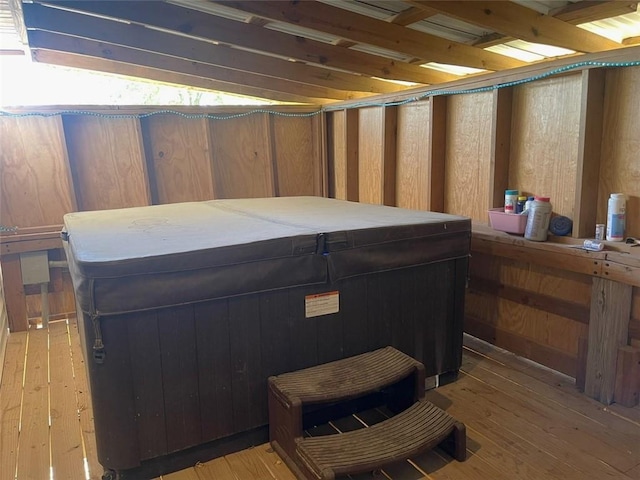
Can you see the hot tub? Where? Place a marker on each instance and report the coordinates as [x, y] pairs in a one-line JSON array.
[[185, 310]]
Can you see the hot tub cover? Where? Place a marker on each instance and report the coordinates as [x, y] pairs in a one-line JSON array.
[[141, 258]]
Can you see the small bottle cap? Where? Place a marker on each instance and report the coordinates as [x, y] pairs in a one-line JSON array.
[[531, 198], [511, 192], [522, 198], [617, 195], [542, 199]]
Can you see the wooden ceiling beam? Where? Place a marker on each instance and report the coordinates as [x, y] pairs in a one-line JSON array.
[[253, 36], [66, 59], [512, 19], [591, 11], [409, 16], [575, 14], [80, 46], [137, 36], [363, 29]]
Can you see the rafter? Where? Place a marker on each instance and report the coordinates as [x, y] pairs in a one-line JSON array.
[[363, 29], [253, 36], [172, 78], [80, 46], [521, 22], [591, 11], [409, 16], [142, 38], [575, 14]]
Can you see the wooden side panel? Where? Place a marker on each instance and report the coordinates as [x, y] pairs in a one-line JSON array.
[[412, 173], [371, 155], [107, 160], [468, 155], [214, 380], [35, 182], [242, 158], [179, 158], [620, 165], [544, 140], [296, 154], [176, 328], [343, 154]]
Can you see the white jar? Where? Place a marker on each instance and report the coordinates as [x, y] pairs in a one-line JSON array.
[[616, 217], [538, 219], [510, 200]]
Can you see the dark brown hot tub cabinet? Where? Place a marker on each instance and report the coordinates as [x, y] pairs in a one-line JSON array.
[[186, 309]]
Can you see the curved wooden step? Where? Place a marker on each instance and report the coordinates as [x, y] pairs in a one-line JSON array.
[[419, 428], [347, 378]]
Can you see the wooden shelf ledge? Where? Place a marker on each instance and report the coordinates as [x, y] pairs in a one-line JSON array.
[[31, 239], [619, 262]]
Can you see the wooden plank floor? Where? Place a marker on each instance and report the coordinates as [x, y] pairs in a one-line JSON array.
[[523, 422]]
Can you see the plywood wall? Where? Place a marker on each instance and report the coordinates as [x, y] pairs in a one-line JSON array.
[[53, 165], [35, 181], [620, 159], [535, 311], [544, 140], [179, 158], [575, 138], [468, 155], [414, 138], [107, 162], [62, 163]]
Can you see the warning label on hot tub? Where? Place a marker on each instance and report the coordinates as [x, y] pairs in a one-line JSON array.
[[321, 304]]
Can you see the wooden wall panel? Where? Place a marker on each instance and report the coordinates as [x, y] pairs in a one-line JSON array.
[[242, 157], [377, 155], [544, 140], [620, 164], [343, 154], [337, 149], [296, 144], [412, 173], [371, 155], [108, 163], [468, 155], [35, 182], [179, 158]]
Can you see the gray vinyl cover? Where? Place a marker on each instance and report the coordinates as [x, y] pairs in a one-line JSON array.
[[141, 258]]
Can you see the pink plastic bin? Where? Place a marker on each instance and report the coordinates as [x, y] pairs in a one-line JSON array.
[[507, 222]]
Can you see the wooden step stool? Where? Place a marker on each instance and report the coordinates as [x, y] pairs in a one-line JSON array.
[[420, 427]]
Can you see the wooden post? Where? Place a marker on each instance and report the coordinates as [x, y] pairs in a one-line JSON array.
[[437, 152], [588, 167], [500, 146], [608, 330]]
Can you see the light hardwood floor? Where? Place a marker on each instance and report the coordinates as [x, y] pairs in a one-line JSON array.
[[523, 422]]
